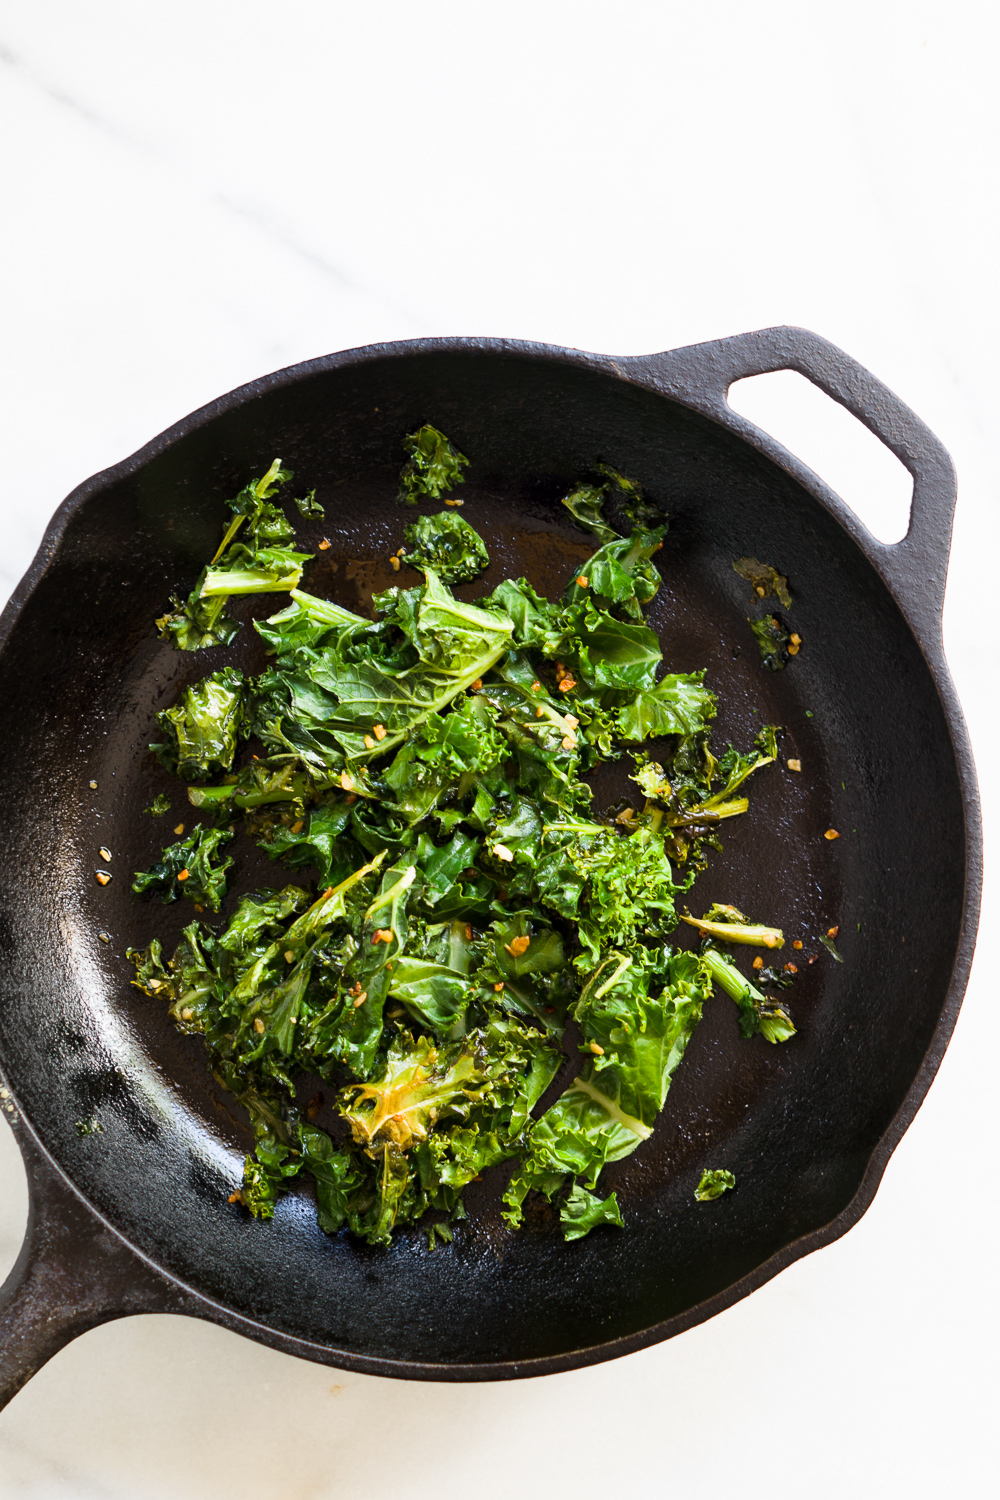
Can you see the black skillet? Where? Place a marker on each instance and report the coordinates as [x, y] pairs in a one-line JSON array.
[[132, 1150]]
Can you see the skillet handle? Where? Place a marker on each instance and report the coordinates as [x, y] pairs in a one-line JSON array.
[[73, 1272], [915, 568]]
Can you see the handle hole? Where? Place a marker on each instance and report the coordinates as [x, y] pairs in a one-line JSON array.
[[841, 450]]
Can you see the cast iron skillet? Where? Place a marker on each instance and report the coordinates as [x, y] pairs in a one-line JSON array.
[[134, 1217]]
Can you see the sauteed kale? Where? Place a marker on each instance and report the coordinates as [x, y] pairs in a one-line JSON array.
[[476, 922]]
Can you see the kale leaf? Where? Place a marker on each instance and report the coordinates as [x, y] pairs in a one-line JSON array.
[[260, 562], [193, 868], [774, 642], [344, 692], [621, 572], [685, 799], [434, 466], [200, 730], [585, 503], [678, 704], [580, 1212], [714, 1182], [831, 947], [765, 580], [448, 545], [634, 1041], [310, 507]]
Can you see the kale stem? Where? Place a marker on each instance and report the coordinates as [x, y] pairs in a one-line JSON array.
[[712, 811], [404, 882], [231, 531], [734, 932], [222, 583], [729, 978]]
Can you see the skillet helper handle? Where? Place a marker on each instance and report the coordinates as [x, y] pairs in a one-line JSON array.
[[72, 1274], [914, 568]]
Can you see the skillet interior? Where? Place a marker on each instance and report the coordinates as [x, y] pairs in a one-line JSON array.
[[83, 675]]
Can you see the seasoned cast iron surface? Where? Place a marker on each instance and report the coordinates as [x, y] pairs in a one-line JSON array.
[[84, 674]]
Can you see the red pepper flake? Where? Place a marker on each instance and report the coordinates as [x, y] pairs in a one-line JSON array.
[[831, 833], [797, 943], [475, 686], [382, 935], [102, 877], [758, 962], [324, 545], [183, 874], [831, 932], [583, 581], [566, 683], [236, 1197], [791, 968]]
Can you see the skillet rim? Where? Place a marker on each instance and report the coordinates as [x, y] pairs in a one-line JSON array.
[[673, 375]]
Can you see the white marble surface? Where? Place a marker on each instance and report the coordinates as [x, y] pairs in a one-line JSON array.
[[195, 193]]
